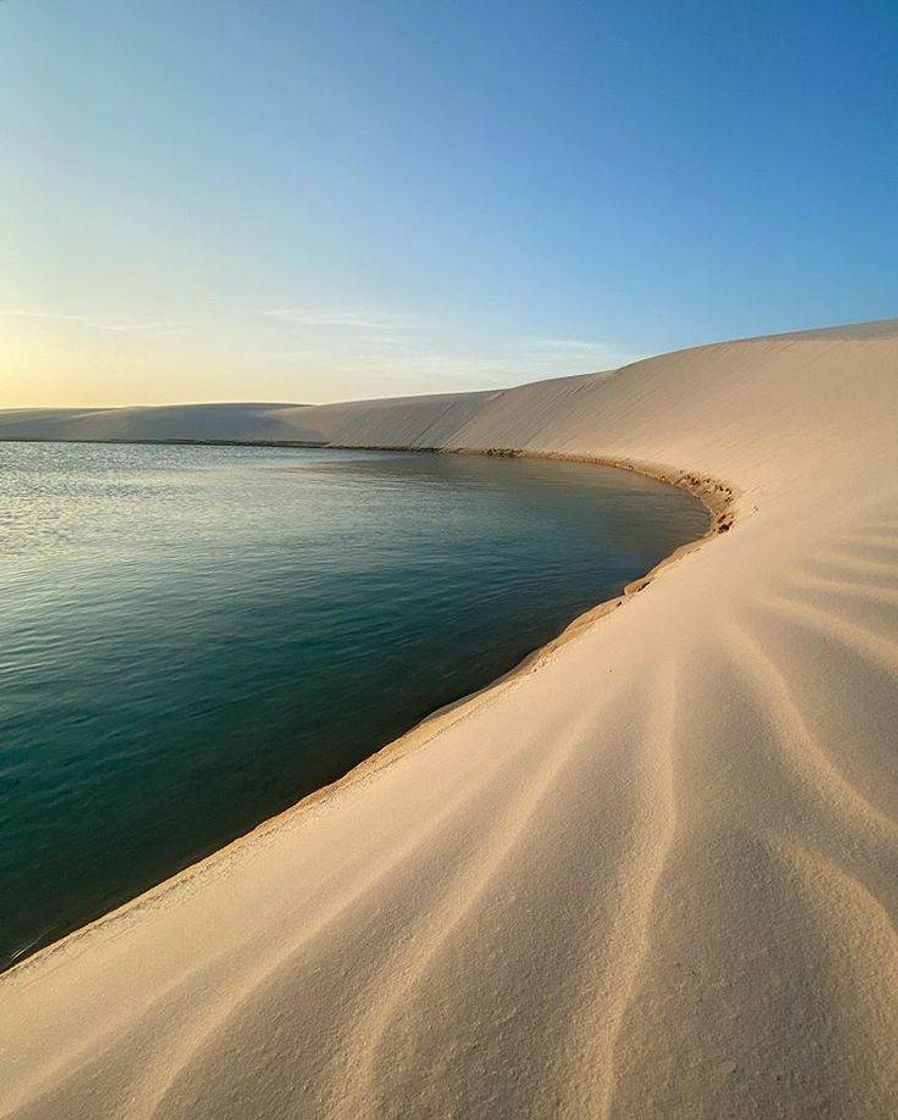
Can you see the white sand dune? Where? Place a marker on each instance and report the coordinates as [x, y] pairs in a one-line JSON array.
[[228, 422], [656, 875]]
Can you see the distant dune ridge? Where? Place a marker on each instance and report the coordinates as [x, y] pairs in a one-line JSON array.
[[655, 875], [226, 422]]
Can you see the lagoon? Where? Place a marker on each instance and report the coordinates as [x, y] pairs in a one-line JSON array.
[[192, 638]]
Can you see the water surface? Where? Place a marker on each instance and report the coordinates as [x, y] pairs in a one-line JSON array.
[[192, 638]]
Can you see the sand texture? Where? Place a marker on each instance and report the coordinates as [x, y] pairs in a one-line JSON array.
[[654, 875]]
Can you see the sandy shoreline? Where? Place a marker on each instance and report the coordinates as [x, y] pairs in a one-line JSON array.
[[657, 877]]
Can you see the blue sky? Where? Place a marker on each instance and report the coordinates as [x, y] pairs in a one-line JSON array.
[[308, 201]]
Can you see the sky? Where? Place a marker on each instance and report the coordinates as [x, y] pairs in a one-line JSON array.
[[289, 201]]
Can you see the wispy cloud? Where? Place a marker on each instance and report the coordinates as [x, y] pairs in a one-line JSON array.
[[367, 341], [163, 327], [470, 364], [563, 344], [597, 355], [344, 318], [100, 323]]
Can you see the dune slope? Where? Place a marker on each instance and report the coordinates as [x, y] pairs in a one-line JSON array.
[[655, 876], [226, 422]]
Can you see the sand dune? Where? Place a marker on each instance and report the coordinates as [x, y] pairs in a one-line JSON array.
[[654, 876], [275, 422]]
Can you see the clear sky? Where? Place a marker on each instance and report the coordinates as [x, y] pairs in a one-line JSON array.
[[280, 200]]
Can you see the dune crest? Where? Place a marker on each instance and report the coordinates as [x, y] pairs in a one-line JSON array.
[[655, 876]]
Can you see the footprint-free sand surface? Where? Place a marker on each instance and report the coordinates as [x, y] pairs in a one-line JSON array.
[[655, 874]]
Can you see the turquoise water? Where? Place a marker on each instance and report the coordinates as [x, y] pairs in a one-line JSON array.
[[192, 638]]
